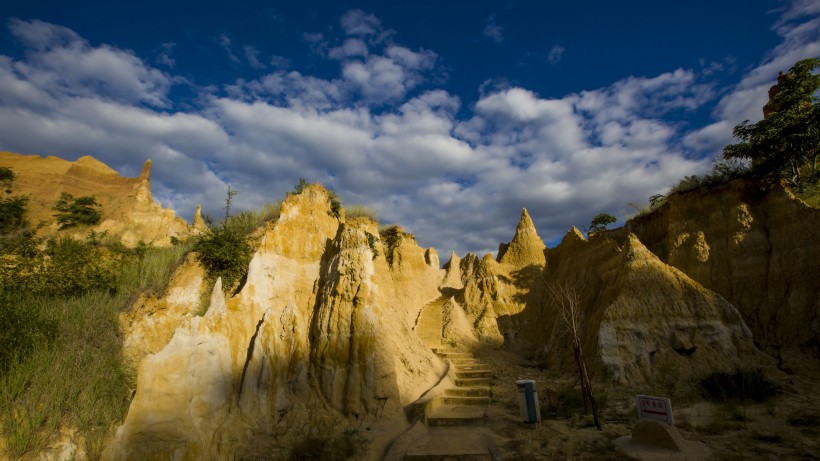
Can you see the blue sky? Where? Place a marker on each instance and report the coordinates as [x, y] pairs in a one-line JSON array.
[[445, 117]]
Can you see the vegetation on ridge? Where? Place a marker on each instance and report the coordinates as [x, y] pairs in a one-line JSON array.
[[60, 345], [77, 211], [225, 249], [786, 143]]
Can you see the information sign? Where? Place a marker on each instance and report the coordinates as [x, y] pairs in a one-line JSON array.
[[656, 408]]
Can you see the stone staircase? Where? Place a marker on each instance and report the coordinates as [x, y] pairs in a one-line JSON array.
[[454, 417], [466, 403]]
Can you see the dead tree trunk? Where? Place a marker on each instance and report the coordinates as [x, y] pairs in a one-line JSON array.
[[567, 299]]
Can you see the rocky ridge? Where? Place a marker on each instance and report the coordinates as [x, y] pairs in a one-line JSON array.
[[756, 248], [129, 212]]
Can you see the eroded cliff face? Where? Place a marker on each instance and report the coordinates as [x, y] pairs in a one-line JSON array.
[[637, 314], [758, 249], [129, 212], [495, 288], [308, 343]]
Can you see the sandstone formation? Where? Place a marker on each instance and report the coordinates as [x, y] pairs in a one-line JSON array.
[[495, 287], [758, 249], [636, 313], [129, 212], [309, 338]]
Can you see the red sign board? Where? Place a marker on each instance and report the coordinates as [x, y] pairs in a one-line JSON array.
[[657, 408]]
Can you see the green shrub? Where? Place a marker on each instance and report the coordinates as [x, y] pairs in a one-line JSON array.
[[6, 175], [225, 250], [371, 242], [12, 214], [391, 236], [65, 267], [335, 204], [80, 211], [740, 385], [722, 172]]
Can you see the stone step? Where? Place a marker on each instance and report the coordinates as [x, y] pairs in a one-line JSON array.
[[472, 382], [450, 444], [460, 373], [475, 391], [472, 366], [450, 355], [456, 415], [465, 400], [478, 455]]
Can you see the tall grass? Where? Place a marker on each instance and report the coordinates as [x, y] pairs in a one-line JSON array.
[[78, 378], [361, 211]]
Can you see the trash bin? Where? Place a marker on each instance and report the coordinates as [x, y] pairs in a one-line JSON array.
[[528, 401]]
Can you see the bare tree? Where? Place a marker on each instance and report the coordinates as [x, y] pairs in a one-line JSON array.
[[566, 297]]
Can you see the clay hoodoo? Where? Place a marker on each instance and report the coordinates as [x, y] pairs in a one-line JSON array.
[[311, 336], [526, 248]]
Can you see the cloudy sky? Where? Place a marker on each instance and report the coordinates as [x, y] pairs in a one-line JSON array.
[[446, 117]]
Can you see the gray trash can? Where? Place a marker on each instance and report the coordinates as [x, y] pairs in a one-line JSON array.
[[528, 401]]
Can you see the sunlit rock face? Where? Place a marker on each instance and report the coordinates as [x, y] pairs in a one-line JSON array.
[[758, 249], [129, 212], [311, 336], [495, 287]]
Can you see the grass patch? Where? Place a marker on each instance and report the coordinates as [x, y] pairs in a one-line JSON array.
[[361, 211], [74, 375]]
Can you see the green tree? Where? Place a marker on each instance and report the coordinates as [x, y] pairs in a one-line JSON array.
[[786, 143], [80, 211], [12, 209], [225, 249], [599, 223]]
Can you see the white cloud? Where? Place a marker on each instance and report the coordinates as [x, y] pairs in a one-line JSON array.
[[164, 56], [493, 31], [359, 23], [352, 47], [556, 54], [279, 62], [456, 173], [252, 55], [225, 42], [59, 61]]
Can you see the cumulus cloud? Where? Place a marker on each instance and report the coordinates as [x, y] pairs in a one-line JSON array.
[[359, 23], [59, 61], [456, 173]]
